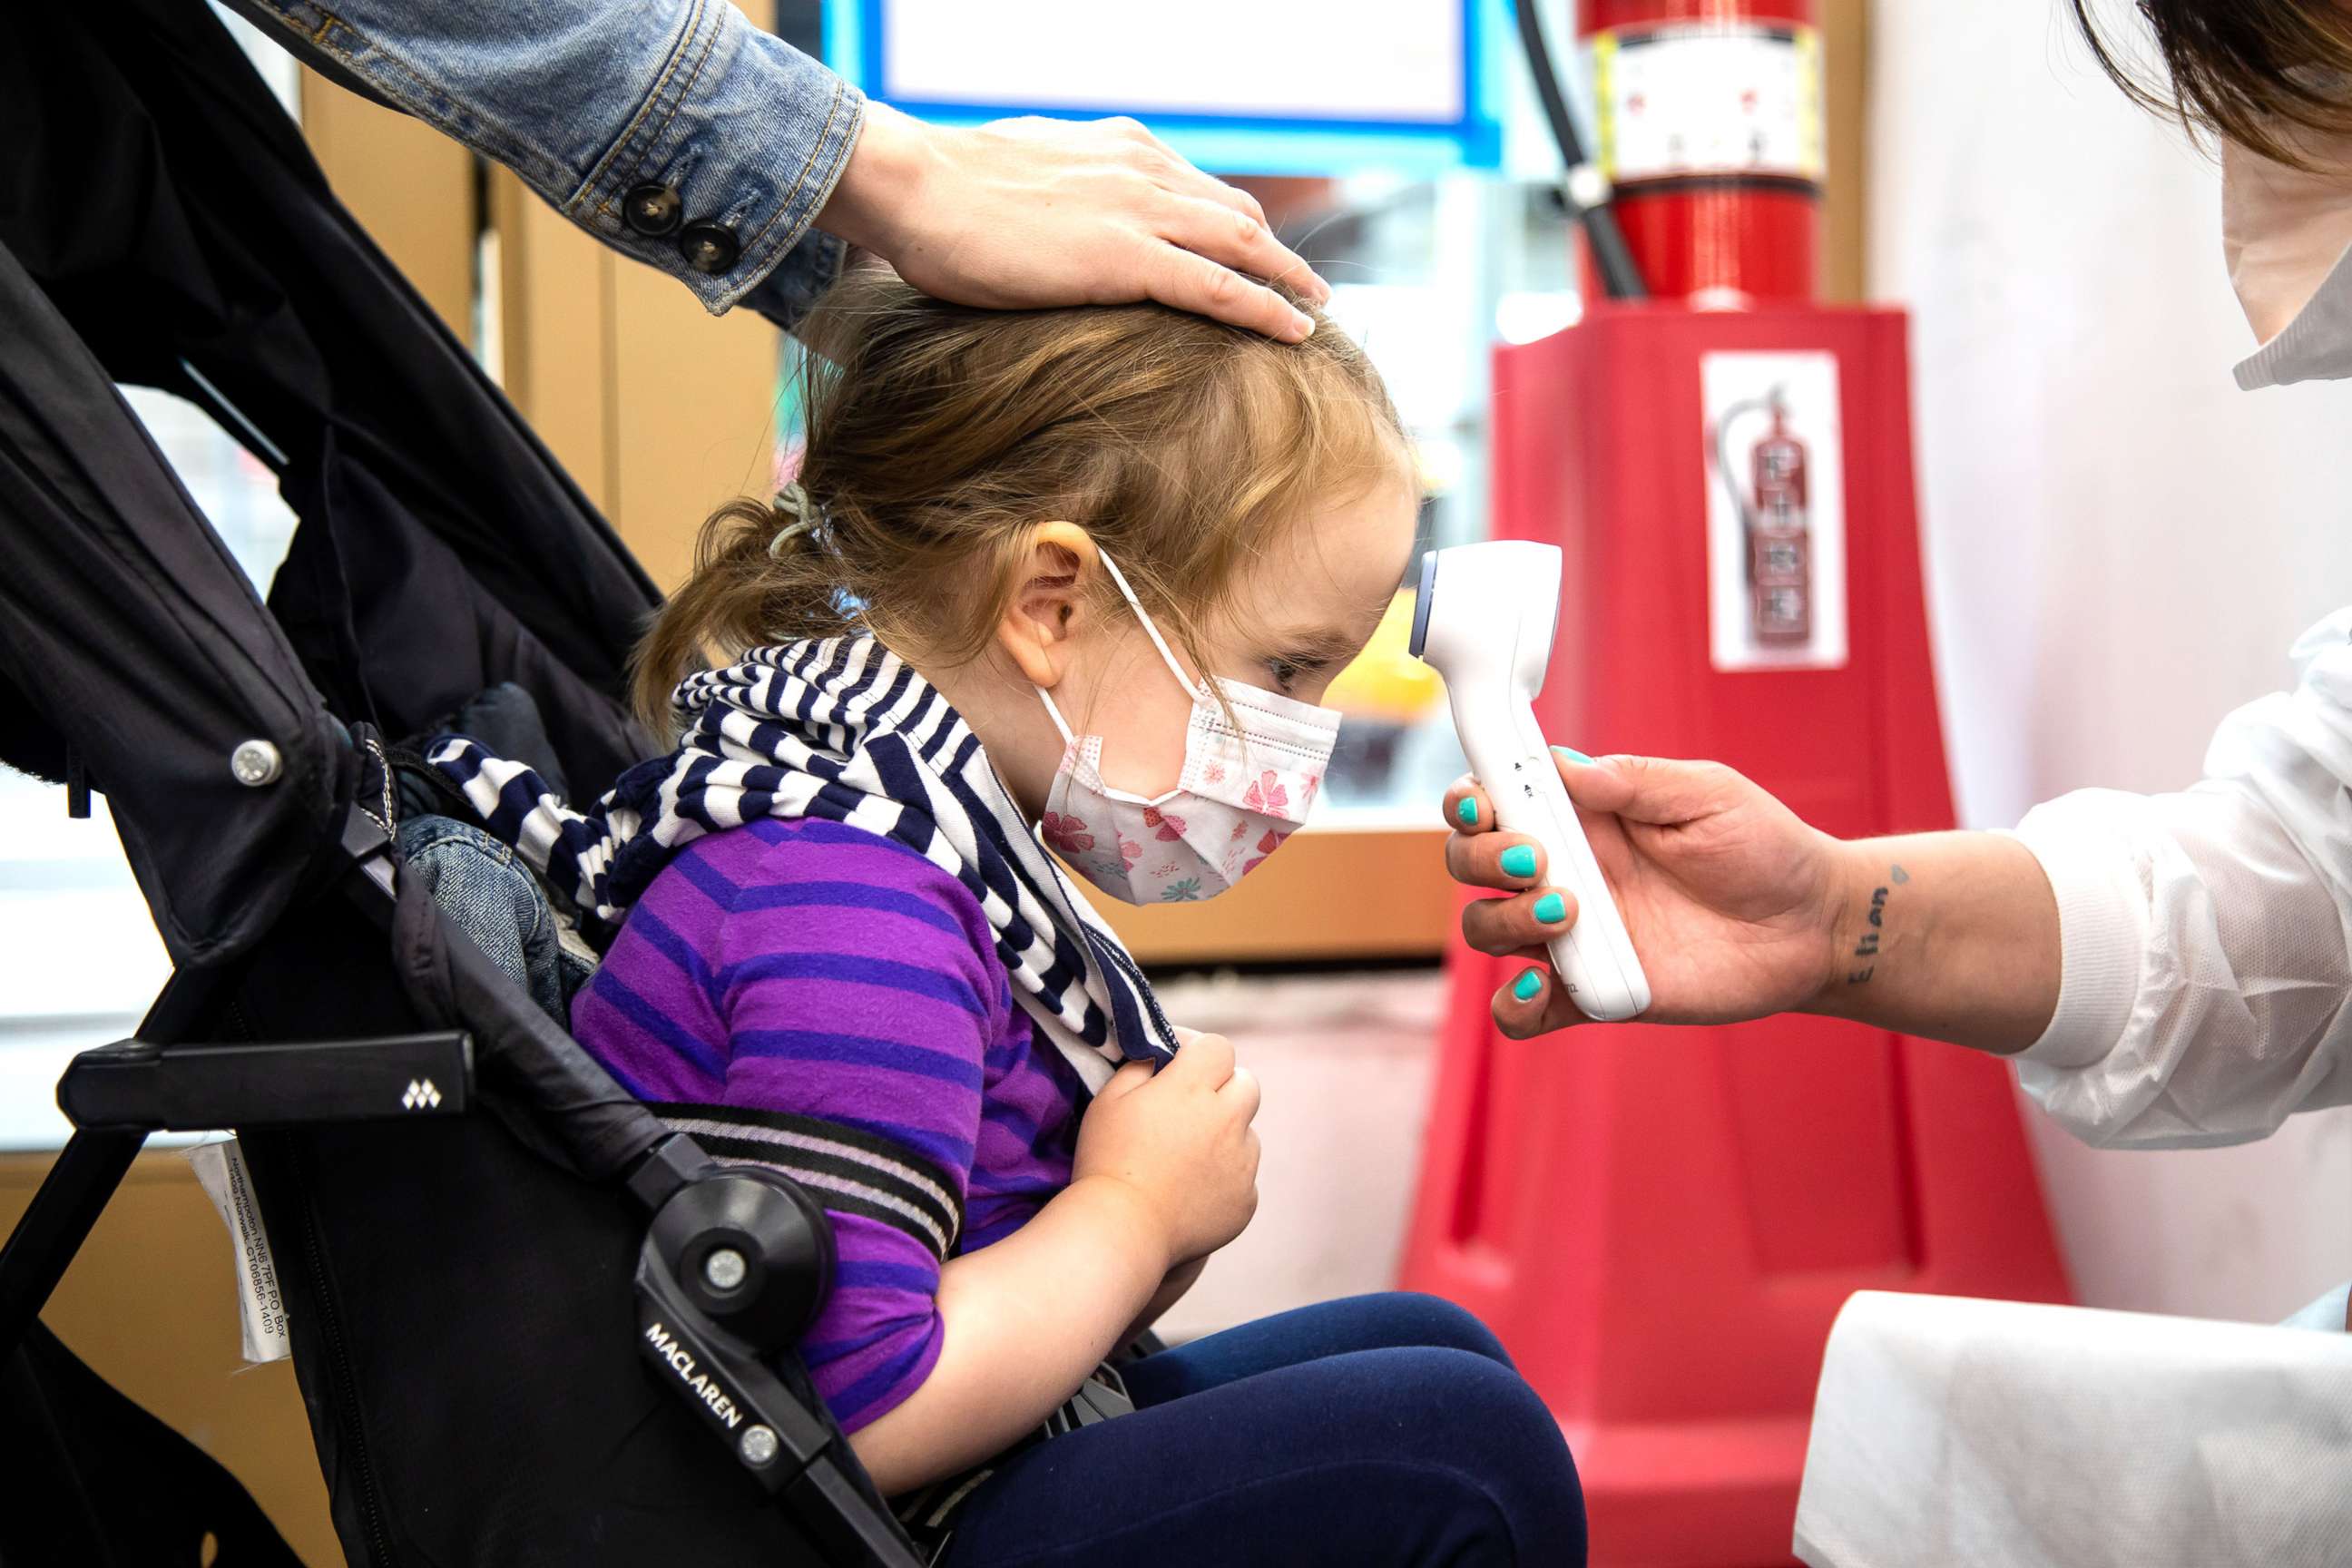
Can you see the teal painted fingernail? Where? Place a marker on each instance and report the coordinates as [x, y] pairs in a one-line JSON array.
[[1519, 860], [1526, 987], [1551, 909], [1466, 813], [1572, 755]]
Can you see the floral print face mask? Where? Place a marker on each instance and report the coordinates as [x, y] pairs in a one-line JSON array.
[[1246, 786]]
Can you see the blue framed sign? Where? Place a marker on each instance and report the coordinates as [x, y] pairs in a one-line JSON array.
[[1400, 84]]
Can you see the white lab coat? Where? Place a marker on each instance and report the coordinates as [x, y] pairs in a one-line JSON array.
[[2207, 935], [2207, 969]]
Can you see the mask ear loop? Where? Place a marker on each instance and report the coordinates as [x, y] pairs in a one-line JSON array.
[[1119, 578], [1070, 745], [1199, 692], [1174, 668], [1056, 714]]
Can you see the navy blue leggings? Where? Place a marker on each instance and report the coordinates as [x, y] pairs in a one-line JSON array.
[[1383, 1430]]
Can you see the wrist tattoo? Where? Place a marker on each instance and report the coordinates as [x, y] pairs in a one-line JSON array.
[[1867, 948]]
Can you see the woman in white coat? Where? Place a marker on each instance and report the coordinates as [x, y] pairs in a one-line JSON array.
[[2167, 970]]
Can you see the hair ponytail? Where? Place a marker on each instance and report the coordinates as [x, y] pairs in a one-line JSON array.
[[744, 591]]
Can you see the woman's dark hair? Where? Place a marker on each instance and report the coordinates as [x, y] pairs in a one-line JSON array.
[[2255, 71]]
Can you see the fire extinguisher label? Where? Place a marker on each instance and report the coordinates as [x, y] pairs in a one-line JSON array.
[[1707, 100], [1775, 460]]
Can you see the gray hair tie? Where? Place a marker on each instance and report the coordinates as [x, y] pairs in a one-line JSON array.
[[792, 500]]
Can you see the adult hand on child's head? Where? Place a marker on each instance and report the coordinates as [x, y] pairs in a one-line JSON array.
[[1728, 897], [1179, 1139], [1028, 214]]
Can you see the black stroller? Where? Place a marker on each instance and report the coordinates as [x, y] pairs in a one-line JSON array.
[[530, 1324]]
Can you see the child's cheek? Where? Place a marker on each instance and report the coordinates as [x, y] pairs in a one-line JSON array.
[[1143, 727]]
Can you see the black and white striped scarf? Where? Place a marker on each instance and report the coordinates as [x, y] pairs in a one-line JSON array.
[[844, 729]]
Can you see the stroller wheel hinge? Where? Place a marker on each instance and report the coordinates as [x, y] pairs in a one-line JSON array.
[[749, 1248]]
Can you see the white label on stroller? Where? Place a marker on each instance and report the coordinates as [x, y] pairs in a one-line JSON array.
[[262, 1310]]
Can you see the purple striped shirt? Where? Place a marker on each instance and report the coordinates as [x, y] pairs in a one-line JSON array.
[[814, 968]]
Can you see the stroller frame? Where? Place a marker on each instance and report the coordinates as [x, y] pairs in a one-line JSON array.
[[163, 224]]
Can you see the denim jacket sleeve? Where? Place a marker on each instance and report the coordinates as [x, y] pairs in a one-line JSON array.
[[673, 131]]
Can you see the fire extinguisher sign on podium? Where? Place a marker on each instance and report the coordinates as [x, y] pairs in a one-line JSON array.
[[1775, 511]]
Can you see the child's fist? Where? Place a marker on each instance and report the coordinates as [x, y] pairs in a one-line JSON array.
[[1180, 1138]]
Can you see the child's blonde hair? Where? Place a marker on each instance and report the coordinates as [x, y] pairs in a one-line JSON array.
[[939, 434]]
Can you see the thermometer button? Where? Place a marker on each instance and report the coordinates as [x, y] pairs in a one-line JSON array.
[[1524, 774]]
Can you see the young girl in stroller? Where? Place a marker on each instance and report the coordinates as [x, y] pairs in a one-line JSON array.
[[1083, 573]]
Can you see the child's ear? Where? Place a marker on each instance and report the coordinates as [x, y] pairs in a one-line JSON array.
[[1053, 573]]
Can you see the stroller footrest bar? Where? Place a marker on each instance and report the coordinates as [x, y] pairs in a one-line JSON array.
[[196, 1088]]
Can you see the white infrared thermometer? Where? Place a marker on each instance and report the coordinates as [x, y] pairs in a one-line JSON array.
[[1483, 621]]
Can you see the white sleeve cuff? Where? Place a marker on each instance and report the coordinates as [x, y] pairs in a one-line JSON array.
[[2103, 922]]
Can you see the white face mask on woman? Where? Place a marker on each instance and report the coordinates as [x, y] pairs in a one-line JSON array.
[[1246, 788], [2288, 236]]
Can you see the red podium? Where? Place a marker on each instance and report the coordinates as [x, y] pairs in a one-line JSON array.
[[1661, 1223]]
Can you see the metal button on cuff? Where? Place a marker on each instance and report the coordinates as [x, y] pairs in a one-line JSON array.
[[707, 246], [653, 210]]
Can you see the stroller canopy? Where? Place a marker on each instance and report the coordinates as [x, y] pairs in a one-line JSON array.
[[163, 224]]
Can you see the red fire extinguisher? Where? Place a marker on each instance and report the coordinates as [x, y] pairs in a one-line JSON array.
[[1710, 137]]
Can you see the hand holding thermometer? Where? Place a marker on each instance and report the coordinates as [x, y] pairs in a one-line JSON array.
[[1483, 621]]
